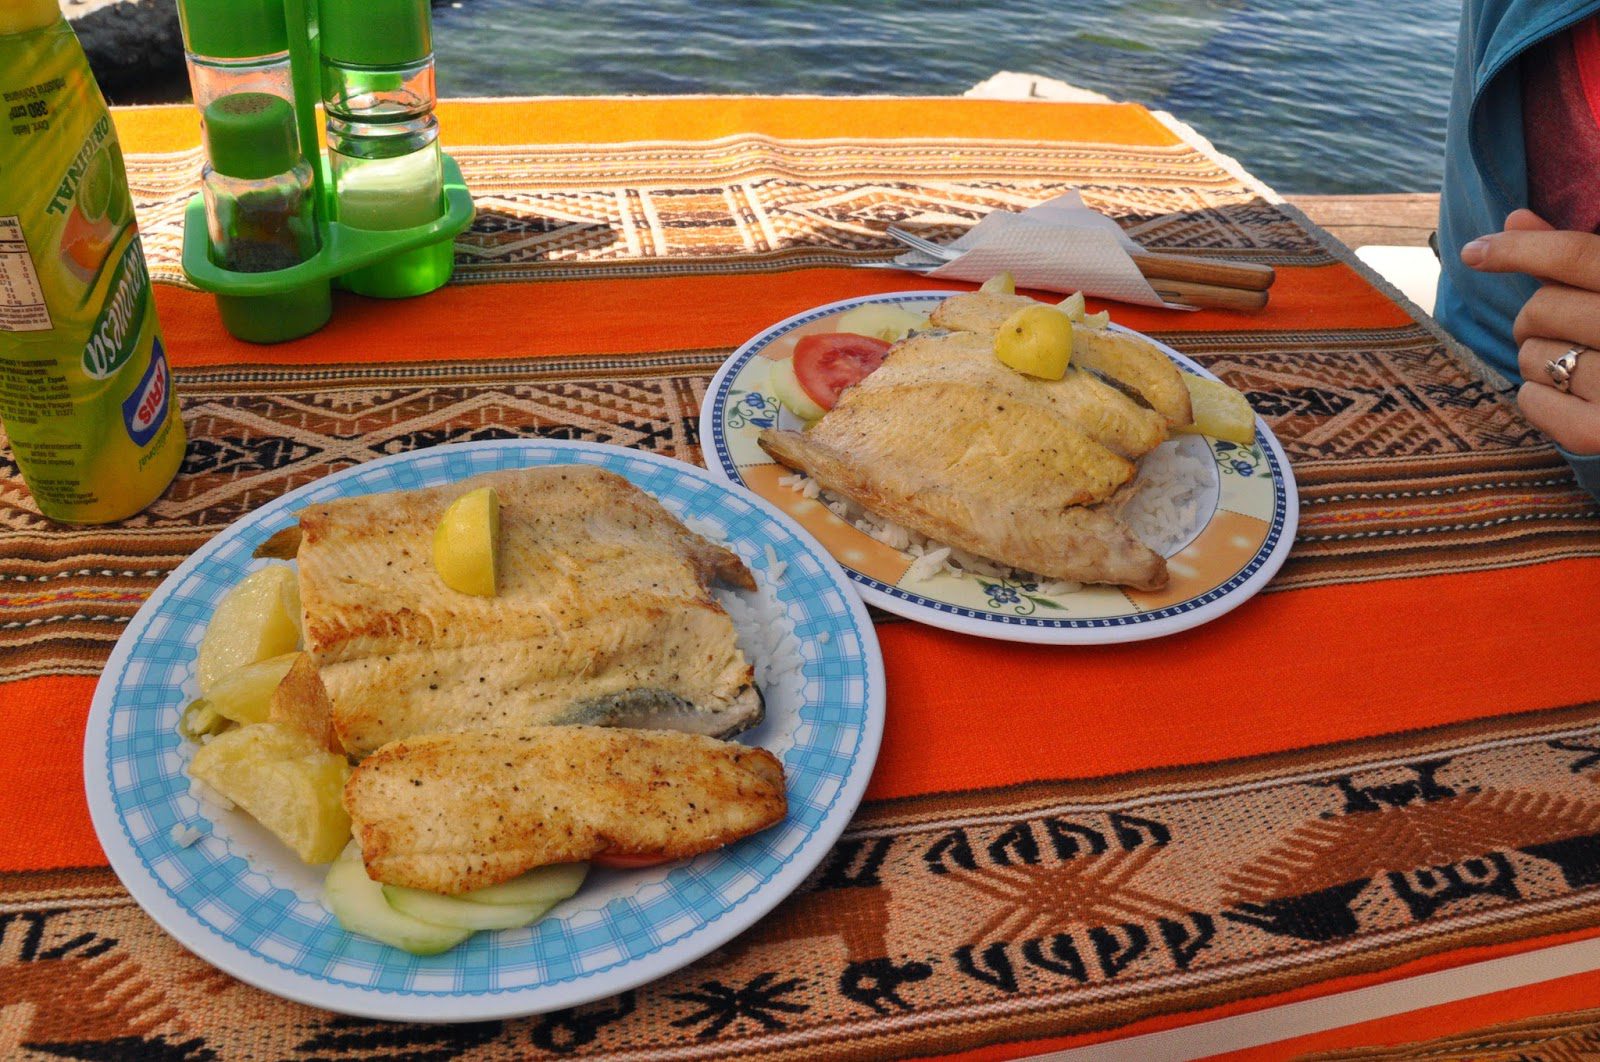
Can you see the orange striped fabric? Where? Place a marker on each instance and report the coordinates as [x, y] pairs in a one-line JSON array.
[[1387, 711]]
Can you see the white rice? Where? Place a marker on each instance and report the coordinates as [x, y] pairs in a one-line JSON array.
[[206, 795], [765, 635], [184, 836], [765, 632], [1161, 506]]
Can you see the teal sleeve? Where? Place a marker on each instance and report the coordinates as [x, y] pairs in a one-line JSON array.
[[1587, 468]]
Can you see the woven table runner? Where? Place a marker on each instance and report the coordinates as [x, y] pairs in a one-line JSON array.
[[1374, 769]]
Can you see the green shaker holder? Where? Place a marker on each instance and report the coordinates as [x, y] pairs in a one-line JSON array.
[[274, 306]]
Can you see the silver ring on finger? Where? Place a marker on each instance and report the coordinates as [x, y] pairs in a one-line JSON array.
[[1562, 368]]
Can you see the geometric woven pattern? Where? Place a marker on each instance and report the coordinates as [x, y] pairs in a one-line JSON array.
[[957, 920], [1376, 453], [981, 913]]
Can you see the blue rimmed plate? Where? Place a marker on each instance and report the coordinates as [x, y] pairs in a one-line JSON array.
[[245, 904], [1242, 525]]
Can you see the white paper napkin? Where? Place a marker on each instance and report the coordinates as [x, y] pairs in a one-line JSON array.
[[1059, 245]]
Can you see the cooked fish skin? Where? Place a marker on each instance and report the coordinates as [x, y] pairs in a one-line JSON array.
[[301, 703], [978, 311], [454, 812], [283, 545], [1130, 360], [647, 709], [956, 433], [1125, 358], [957, 455], [601, 592], [988, 515], [1102, 412]]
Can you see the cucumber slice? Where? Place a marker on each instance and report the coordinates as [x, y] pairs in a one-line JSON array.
[[202, 718], [786, 388], [458, 913], [547, 885], [881, 321], [357, 902]]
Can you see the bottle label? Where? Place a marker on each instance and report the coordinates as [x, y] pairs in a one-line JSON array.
[[22, 305], [145, 410], [115, 334], [86, 390]]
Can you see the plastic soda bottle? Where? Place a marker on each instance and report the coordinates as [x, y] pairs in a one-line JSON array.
[[85, 389]]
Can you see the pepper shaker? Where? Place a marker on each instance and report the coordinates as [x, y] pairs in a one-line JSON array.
[[261, 214]]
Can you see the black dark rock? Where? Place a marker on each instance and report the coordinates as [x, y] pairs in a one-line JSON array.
[[135, 49]]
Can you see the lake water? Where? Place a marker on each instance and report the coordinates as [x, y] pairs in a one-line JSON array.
[[1333, 96]]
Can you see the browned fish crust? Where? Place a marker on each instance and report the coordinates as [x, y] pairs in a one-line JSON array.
[[946, 441], [454, 812], [1060, 540], [601, 592], [1130, 360]]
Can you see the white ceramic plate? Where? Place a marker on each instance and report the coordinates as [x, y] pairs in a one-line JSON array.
[[242, 902], [1243, 532]]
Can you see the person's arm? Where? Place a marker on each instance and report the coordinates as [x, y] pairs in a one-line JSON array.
[[1562, 315]]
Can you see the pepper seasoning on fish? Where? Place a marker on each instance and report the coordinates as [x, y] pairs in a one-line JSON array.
[[603, 614]]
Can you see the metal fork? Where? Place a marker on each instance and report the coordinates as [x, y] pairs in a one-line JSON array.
[[927, 247]]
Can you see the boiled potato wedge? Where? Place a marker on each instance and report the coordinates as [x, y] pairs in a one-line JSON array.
[[284, 780], [1220, 411], [244, 693], [201, 718], [1003, 283], [258, 619]]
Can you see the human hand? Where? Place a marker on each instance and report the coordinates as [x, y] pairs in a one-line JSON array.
[[1562, 314]]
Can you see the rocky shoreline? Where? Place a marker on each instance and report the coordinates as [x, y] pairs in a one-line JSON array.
[[135, 47]]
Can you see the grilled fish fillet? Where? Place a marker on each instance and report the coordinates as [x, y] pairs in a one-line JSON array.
[[454, 812], [1099, 410], [956, 454], [1127, 359], [602, 614]]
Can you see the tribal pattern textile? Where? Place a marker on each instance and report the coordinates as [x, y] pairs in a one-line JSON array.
[[960, 920], [1410, 460], [1294, 795]]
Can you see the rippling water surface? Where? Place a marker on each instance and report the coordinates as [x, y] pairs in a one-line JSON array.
[[1337, 96]]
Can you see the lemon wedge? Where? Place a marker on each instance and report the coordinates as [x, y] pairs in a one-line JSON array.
[[466, 541], [1003, 283], [1220, 411], [1036, 340]]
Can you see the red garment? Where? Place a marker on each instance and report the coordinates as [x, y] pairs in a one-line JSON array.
[[1561, 127]]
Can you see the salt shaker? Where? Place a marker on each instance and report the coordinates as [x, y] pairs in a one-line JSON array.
[[383, 138]]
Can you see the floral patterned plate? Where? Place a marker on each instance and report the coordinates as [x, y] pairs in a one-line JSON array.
[[1244, 528]]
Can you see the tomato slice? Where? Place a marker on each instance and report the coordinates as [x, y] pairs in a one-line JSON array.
[[628, 862], [827, 363]]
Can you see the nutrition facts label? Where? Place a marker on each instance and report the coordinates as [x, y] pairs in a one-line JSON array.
[[22, 305]]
